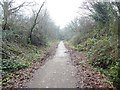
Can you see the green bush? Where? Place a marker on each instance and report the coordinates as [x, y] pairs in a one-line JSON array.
[[11, 65], [99, 52], [15, 36], [116, 80]]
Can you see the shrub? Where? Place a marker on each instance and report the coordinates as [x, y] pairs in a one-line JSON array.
[[12, 65], [116, 80]]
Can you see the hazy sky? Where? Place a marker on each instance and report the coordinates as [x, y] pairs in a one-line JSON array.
[[61, 11]]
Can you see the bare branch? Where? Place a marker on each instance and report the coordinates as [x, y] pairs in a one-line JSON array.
[[13, 10], [35, 21], [1, 4], [10, 2], [18, 7]]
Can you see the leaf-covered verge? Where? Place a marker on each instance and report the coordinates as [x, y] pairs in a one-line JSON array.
[[25, 39], [18, 60], [97, 35], [87, 75], [102, 54]]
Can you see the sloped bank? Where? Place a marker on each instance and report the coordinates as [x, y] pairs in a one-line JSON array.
[[86, 75], [19, 77]]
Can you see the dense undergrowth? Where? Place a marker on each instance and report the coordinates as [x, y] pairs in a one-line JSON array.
[[17, 53], [99, 43], [102, 54], [24, 38], [16, 56]]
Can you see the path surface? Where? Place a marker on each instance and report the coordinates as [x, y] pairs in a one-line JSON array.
[[56, 73]]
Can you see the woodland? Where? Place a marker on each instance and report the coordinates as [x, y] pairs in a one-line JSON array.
[[25, 38]]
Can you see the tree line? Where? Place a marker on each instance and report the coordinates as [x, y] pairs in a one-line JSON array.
[[38, 23], [96, 33], [24, 37]]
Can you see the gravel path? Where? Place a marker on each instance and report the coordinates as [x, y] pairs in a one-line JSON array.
[[56, 73]]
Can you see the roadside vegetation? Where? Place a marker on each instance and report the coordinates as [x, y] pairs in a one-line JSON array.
[[24, 39], [96, 33]]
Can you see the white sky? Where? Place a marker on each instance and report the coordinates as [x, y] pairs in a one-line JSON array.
[[61, 11]]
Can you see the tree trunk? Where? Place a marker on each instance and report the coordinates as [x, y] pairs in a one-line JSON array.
[[34, 24], [5, 25]]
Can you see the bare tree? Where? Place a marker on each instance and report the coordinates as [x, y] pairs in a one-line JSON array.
[[8, 10], [34, 23]]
